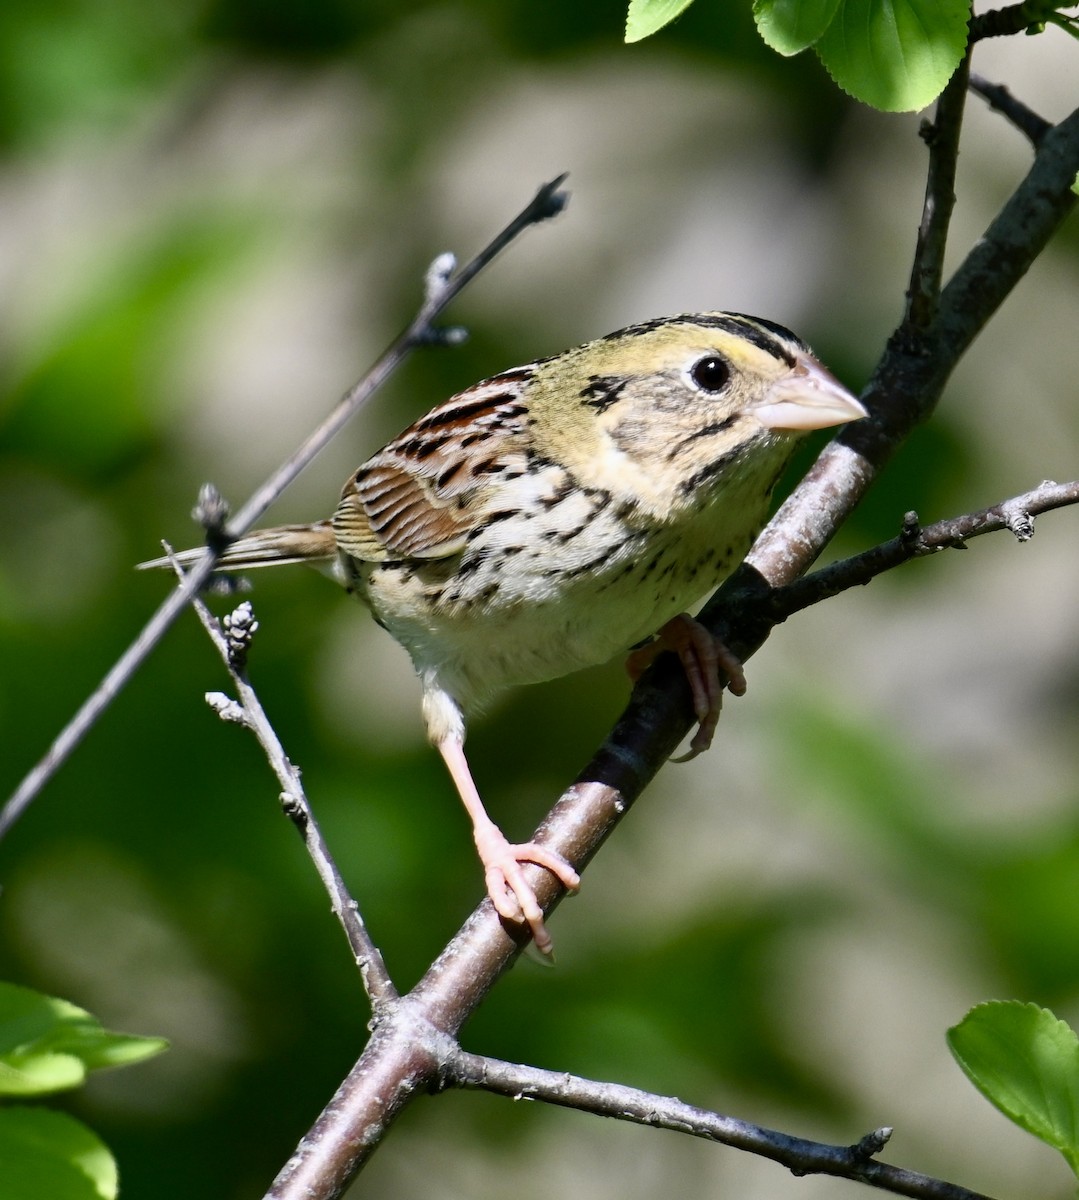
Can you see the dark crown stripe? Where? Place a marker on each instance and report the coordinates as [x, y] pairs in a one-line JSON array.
[[779, 345], [773, 339], [768, 336]]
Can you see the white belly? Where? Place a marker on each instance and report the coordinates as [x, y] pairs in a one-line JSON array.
[[501, 615]]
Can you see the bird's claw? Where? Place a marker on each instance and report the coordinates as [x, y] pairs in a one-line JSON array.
[[702, 656], [511, 894]]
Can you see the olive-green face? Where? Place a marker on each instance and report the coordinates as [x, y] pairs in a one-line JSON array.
[[673, 397]]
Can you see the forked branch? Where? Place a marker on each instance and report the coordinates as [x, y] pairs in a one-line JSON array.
[[904, 390]]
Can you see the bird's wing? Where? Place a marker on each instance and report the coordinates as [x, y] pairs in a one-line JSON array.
[[420, 496]]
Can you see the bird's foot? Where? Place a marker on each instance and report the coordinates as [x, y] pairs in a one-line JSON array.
[[510, 892], [702, 656]]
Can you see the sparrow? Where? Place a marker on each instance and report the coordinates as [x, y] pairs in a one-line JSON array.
[[561, 513]]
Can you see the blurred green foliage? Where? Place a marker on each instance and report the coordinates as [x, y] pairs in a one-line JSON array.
[[216, 214], [46, 1046]]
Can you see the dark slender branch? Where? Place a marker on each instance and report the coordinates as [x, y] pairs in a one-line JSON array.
[[1025, 119], [1013, 241], [404, 1058], [442, 286], [232, 639], [915, 367], [799, 1155], [942, 138]]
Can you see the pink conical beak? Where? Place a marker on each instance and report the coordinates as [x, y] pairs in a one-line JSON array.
[[810, 397]]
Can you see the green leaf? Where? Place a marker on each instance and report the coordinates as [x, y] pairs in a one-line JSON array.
[[48, 1045], [789, 26], [646, 17], [895, 55], [1026, 1062], [46, 1153], [119, 1050], [34, 1073], [1075, 184]]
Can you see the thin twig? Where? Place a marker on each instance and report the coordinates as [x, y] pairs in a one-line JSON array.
[[442, 286], [233, 642], [799, 1155], [1025, 119], [1016, 514], [942, 138]]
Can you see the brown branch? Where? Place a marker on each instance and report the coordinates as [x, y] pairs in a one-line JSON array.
[[1025, 119], [942, 138], [906, 386], [442, 286], [798, 1155], [414, 1045]]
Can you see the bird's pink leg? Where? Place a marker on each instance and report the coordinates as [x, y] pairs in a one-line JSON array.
[[702, 655], [510, 892]]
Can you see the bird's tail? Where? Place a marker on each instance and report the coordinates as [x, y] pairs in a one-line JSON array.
[[275, 547]]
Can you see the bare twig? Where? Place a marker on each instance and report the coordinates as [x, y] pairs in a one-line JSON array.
[[1025, 119], [942, 138], [232, 638], [442, 285], [1016, 514], [799, 1155]]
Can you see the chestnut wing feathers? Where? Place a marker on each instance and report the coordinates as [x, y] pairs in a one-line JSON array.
[[420, 496]]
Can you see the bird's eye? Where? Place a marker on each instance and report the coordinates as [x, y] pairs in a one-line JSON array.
[[711, 374]]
